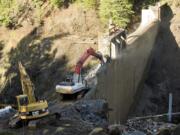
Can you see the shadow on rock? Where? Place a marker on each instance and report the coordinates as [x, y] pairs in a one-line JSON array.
[[38, 57]]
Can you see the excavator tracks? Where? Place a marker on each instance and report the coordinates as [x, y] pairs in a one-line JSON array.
[[15, 122]]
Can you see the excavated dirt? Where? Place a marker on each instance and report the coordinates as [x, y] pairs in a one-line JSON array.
[[164, 75]]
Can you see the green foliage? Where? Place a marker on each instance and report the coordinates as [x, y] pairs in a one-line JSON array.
[[38, 2], [119, 10], [57, 3], [11, 10], [7, 7], [89, 4], [149, 2]]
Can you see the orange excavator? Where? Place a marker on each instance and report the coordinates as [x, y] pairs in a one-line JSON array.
[[77, 84]]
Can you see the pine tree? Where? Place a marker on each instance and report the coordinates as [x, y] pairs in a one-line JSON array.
[[57, 3], [90, 3], [118, 10]]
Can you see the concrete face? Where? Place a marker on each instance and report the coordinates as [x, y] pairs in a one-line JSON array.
[[120, 81], [104, 44]]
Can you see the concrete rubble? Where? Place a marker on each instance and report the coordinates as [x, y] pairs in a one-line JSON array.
[[150, 126], [91, 111], [144, 127]]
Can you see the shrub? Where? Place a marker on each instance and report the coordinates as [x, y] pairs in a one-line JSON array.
[[89, 4], [7, 7], [57, 3], [119, 10]]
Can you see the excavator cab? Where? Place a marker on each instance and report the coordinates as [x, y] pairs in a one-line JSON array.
[[68, 79], [22, 100]]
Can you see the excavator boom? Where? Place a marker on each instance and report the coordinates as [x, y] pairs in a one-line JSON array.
[[84, 57], [27, 85]]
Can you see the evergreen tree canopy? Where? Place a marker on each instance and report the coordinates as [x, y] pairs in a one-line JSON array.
[[89, 3], [118, 10]]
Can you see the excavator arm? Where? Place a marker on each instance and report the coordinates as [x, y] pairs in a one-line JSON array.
[[85, 56], [27, 85]]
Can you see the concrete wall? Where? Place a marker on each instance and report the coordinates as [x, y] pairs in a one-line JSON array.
[[123, 76]]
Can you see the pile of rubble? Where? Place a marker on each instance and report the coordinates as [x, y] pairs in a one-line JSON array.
[[150, 126], [145, 127]]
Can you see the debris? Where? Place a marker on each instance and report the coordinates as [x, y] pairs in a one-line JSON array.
[[6, 112], [164, 132], [115, 129], [33, 124], [177, 130], [91, 111], [150, 127], [97, 131], [155, 116], [134, 133]]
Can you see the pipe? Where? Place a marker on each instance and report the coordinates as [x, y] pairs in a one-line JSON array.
[[170, 108]]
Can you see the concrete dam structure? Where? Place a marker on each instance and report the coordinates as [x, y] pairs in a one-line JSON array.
[[123, 77]]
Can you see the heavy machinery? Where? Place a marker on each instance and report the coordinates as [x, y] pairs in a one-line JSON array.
[[28, 107], [76, 84]]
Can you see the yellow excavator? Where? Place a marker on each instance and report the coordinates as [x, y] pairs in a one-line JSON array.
[[29, 109]]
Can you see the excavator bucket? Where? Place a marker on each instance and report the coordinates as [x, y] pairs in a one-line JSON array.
[[27, 85]]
